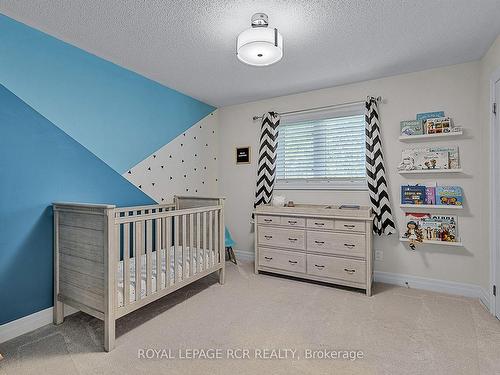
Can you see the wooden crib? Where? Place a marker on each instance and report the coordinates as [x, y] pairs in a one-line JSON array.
[[101, 252]]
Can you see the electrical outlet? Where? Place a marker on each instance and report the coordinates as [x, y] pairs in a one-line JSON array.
[[379, 255]]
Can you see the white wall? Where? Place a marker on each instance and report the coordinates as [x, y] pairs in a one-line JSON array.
[[185, 166], [455, 90]]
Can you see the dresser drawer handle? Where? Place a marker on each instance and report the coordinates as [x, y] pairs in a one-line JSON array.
[[292, 261], [350, 226], [292, 239], [292, 222], [319, 266], [320, 224], [349, 245], [268, 237], [349, 271], [319, 242], [268, 258], [268, 220]]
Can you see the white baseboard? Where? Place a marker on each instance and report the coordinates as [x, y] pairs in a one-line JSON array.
[[29, 323], [416, 282], [434, 285], [485, 299], [245, 255]]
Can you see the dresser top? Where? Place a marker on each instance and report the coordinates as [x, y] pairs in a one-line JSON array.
[[364, 212]]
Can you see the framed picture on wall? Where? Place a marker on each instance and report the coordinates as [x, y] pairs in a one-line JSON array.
[[243, 155]]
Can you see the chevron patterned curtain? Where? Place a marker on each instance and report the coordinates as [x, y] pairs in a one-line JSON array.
[[266, 171], [375, 172]]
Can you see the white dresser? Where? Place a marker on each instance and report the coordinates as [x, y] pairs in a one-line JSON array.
[[316, 242]]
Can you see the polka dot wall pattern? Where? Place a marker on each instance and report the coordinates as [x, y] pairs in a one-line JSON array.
[[185, 166]]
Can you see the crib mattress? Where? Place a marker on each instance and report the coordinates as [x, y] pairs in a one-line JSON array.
[[204, 257]]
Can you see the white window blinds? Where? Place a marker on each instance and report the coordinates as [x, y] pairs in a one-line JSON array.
[[329, 151]]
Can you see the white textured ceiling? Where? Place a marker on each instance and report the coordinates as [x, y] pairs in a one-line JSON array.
[[189, 45]]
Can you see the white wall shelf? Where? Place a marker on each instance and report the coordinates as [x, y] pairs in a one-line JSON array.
[[424, 171], [431, 206], [443, 243], [430, 137]]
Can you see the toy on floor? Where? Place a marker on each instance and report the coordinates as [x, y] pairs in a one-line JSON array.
[[229, 247]]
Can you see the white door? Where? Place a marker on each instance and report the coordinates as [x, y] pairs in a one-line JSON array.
[[496, 156]]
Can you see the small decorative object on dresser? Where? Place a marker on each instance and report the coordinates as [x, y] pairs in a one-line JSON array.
[[317, 242]]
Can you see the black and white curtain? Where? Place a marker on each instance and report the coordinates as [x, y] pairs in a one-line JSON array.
[[266, 171], [375, 172]]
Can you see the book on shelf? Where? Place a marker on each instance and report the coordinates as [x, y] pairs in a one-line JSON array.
[[438, 125], [411, 127], [449, 196], [453, 156], [428, 123], [413, 194], [430, 158], [429, 115], [432, 195], [426, 227]]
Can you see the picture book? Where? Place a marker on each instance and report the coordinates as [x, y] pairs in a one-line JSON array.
[[411, 127], [438, 125], [413, 194], [413, 228], [453, 155], [449, 195], [430, 229], [427, 115], [430, 195], [448, 230], [430, 158], [427, 227]]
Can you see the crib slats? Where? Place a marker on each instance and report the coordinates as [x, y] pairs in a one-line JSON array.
[[167, 230], [204, 234], [126, 264], [139, 245], [210, 238], [149, 254], [159, 236], [222, 236], [192, 255], [184, 247], [114, 295], [176, 248], [196, 248], [198, 242], [216, 237]]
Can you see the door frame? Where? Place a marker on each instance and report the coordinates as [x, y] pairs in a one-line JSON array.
[[494, 200]]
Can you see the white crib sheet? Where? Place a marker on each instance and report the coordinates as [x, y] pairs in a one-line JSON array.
[[202, 255]]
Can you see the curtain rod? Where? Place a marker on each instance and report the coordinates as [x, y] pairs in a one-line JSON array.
[[378, 98]]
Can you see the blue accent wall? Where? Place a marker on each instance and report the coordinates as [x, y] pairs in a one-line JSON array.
[[120, 116], [40, 164]]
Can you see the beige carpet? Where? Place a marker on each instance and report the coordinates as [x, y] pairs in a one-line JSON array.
[[400, 331]]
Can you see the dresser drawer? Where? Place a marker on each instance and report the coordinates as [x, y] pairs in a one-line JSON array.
[[291, 221], [351, 225], [267, 219], [337, 268], [281, 237], [282, 259], [320, 223], [336, 243]]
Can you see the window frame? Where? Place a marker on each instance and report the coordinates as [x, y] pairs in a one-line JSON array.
[[358, 184]]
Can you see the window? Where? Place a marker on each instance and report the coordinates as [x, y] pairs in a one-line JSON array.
[[322, 150]]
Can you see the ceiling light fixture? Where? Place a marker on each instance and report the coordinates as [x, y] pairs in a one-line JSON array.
[[259, 45]]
